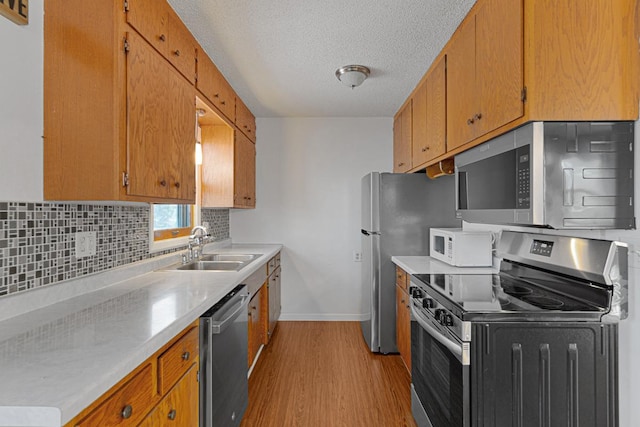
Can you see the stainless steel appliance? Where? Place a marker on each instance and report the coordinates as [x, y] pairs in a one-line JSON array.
[[224, 389], [397, 212], [535, 345], [550, 174]]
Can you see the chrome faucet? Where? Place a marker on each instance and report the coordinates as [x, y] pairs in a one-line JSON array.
[[199, 236]]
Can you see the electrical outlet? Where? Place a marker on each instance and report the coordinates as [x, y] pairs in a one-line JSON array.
[[85, 244], [357, 256]]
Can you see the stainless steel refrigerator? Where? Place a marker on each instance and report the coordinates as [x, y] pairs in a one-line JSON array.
[[397, 212]]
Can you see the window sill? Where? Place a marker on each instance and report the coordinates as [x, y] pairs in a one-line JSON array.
[[163, 245]]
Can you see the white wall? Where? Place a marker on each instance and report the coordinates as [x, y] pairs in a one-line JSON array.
[[629, 338], [308, 198], [21, 107]]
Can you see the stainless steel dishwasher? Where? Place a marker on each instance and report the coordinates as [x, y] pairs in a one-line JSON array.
[[224, 388]]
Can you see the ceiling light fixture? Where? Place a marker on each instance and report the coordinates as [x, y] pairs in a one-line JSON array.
[[352, 75]]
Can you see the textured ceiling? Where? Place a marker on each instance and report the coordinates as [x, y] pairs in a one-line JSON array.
[[280, 56]]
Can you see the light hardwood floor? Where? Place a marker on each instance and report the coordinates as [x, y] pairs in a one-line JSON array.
[[322, 374]]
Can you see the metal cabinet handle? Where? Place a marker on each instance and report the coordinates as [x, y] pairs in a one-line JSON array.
[[186, 355], [172, 414], [216, 95], [163, 183], [478, 116], [127, 411], [470, 121], [177, 184], [177, 52], [162, 37]]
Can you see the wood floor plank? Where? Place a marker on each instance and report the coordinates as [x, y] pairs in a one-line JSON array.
[[322, 374]]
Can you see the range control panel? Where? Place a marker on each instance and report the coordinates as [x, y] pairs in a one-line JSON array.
[[541, 247]]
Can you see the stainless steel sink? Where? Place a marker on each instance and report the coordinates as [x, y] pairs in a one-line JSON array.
[[214, 265], [230, 257]]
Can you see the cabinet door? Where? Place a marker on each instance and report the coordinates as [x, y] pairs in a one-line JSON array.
[[179, 154], [402, 140], [179, 408], [403, 326], [436, 111], [461, 86], [245, 121], [147, 127], [213, 85], [149, 18], [274, 301], [499, 64], [419, 117], [256, 327], [181, 50], [244, 171]]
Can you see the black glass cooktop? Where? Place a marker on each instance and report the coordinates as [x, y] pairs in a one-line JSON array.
[[503, 293]]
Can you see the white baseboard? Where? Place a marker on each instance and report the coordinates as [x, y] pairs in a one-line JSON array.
[[321, 317]]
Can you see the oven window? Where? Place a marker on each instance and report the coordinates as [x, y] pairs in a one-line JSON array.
[[489, 183], [437, 376]]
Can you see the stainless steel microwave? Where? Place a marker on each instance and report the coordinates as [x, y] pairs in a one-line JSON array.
[[564, 175]]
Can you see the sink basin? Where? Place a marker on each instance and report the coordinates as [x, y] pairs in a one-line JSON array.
[[230, 257], [214, 265]]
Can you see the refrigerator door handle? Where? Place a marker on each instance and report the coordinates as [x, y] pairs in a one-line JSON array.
[[369, 233]]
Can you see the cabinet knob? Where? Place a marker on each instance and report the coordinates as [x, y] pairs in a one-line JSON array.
[[177, 184], [127, 411], [186, 355], [470, 121], [163, 183], [223, 103], [216, 95], [478, 116], [172, 414], [162, 37], [176, 52], [401, 164], [424, 149]]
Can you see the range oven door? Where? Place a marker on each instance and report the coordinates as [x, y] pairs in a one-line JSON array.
[[440, 389]]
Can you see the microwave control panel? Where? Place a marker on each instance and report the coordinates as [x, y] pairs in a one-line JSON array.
[[524, 177]]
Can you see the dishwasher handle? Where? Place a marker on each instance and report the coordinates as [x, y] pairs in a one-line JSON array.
[[236, 308]]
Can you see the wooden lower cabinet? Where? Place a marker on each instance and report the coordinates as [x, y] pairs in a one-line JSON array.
[[161, 391], [403, 316], [179, 408], [257, 321], [273, 285]]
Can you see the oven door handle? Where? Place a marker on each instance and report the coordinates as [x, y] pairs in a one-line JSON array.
[[454, 347]]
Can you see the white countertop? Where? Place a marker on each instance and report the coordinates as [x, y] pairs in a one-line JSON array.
[[428, 265], [59, 358]]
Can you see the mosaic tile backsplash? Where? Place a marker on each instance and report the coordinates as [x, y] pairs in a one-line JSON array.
[[37, 240]]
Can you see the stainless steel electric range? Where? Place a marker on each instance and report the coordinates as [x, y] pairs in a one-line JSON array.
[[535, 345]]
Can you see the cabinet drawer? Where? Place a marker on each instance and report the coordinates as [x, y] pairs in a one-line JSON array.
[[180, 407], [401, 278], [174, 362], [128, 405]]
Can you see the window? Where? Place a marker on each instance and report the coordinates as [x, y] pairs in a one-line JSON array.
[[171, 221]]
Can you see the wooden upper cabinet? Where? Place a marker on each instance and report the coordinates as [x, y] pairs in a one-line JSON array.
[[581, 60], [429, 117], [436, 111], [499, 64], [212, 84], [485, 71], [182, 48], [150, 19], [462, 102], [419, 136], [119, 121], [228, 168], [245, 121], [161, 123], [402, 139]]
